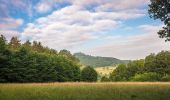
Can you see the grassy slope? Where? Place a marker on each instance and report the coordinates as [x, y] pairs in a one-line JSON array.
[[85, 91], [97, 61]]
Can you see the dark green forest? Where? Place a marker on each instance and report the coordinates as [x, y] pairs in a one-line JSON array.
[[32, 62], [98, 61]]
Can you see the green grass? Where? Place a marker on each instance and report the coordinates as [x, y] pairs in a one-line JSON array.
[[85, 91]]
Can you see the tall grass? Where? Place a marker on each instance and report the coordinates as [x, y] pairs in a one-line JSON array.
[[85, 91]]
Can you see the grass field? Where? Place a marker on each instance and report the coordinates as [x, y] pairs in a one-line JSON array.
[[105, 70], [85, 91]]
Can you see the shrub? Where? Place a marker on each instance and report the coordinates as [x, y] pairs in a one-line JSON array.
[[105, 79], [151, 77], [166, 78], [88, 74]]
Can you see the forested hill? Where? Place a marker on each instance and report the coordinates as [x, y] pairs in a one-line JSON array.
[[97, 61]]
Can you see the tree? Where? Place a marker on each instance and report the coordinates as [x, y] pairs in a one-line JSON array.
[[2, 43], [88, 74], [160, 9], [14, 43], [68, 55], [125, 72], [27, 44], [151, 76], [105, 79], [5, 61], [159, 63], [119, 74], [162, 62], [149, 65], [166, 78], [26, 63], [134, 67]]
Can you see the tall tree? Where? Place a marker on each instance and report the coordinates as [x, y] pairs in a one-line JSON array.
[[160, 9], [27, 44], [4, 60], [68, 55], [159, 63], [14, 43], [119, 74], [35, 63], [2, 43]]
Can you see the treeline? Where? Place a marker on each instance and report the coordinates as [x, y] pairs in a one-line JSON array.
[[32, 62], [155, 67]]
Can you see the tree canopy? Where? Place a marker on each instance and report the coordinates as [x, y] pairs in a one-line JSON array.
[[155, 67], [160, 9], [88, 74], [32, 62]]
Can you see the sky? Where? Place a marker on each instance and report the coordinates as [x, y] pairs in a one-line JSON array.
[[109, 28]]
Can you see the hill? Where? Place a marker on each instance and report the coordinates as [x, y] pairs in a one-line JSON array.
[[97, 61]]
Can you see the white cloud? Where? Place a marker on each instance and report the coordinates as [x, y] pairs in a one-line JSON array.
[[105, 5], [112, 5], [132, 47], [10, 23], [47, 5], [8, 27], [43, 7], [97, 5], [9, 33], [74, 25]]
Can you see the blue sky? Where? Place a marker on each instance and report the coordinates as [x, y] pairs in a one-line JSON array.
[[112, 28]]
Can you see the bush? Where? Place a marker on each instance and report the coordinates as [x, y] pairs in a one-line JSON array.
[[88, 74], [151, 77], [166, 78], [105, 79]]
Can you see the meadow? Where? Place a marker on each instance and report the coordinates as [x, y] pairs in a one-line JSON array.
[[86, 91], [105, 70]]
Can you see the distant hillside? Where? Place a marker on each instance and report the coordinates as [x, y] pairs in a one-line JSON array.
[[98, 61]]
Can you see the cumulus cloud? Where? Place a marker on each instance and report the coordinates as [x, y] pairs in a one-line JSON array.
[[123, 4], [133, 47], [74, 25], [97, 5]]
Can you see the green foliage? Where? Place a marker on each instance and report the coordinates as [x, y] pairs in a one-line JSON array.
[[149, 69], [68, 55], [88, 74], [134, 67], [105, 79], [125, 72], [34, 63], [2, 43], [159, 63], [149, 65], [160, 9], [151, 77], [14, 43], [119, 74], [88, 60], [166, 78]]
